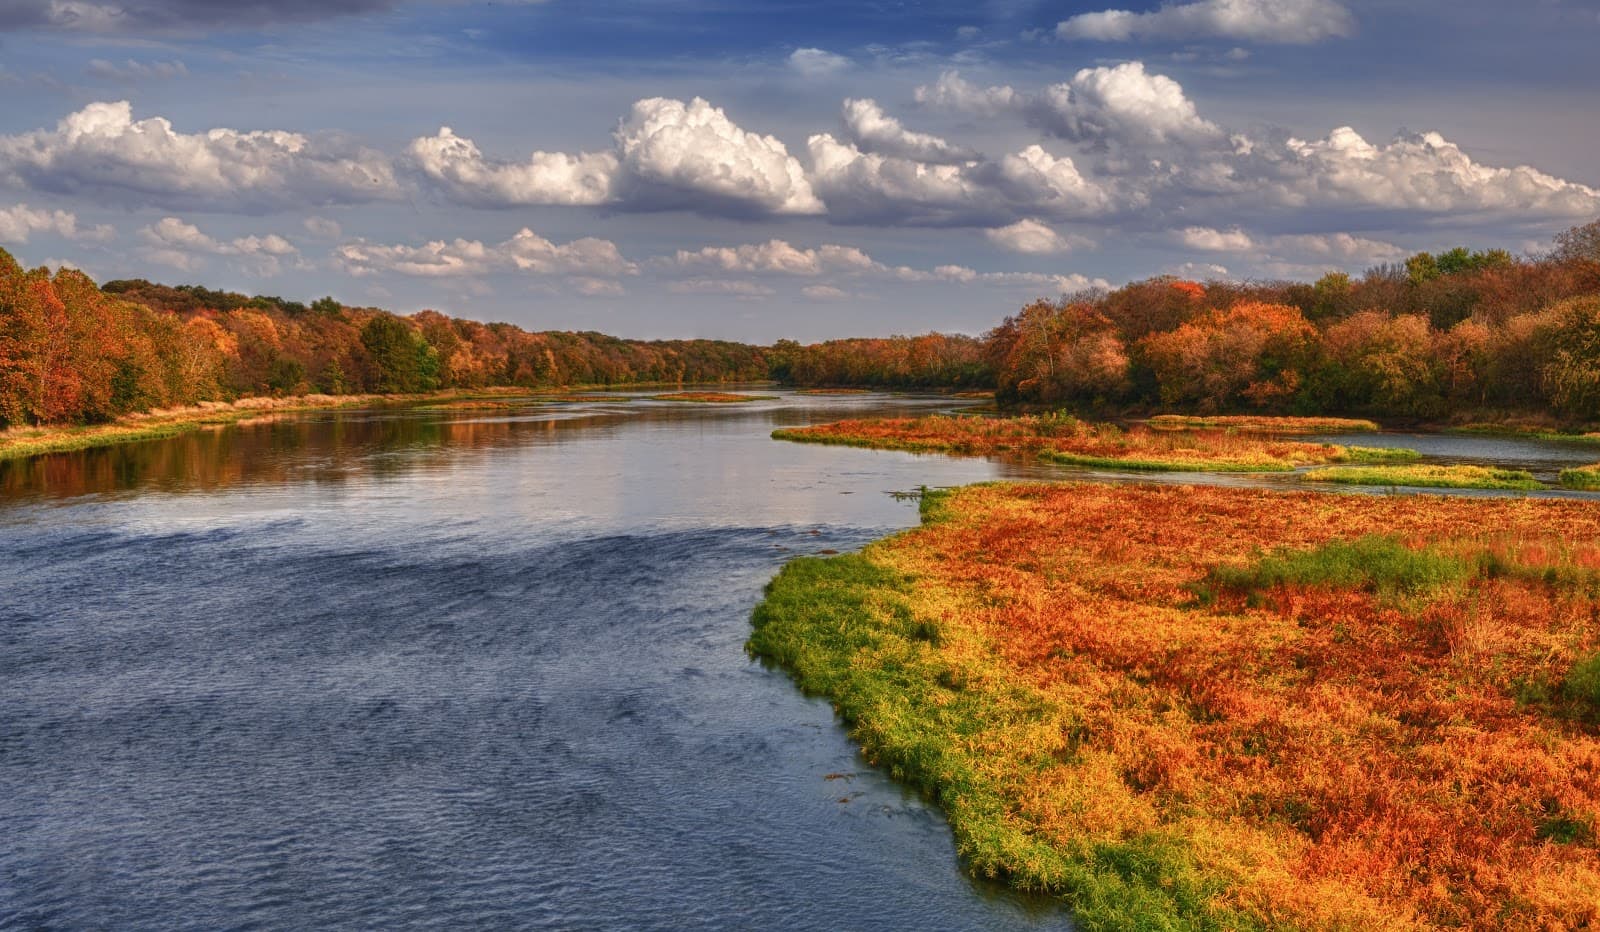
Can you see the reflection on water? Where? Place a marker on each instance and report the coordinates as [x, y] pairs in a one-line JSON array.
[[465, 668], [448, 668]]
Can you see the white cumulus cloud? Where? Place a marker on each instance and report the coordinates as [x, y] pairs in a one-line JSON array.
[[777, 257], [526, 252], [865, 187], [872, 130], [1031, 237], [953, 92], [457, 166], [666, 155], [1420, 171], [1295, 22], [691, 156], [1209, 240], [19, 222], [102, 151], [1121, 103], [173, 242]]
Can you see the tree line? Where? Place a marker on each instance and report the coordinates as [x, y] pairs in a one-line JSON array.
[[1435, 335]]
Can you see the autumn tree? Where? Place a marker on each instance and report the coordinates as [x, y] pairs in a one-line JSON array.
[[1059, 354], [1253, 354]]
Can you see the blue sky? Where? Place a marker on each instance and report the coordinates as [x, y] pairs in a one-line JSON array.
[[760, 170]]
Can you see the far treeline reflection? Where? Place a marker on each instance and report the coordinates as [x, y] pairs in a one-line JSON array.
[[333, 448]]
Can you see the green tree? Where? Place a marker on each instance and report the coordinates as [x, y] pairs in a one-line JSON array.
[[401, 358], [334, 381]]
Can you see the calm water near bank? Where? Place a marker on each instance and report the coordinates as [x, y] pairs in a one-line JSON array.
[[462, 668]]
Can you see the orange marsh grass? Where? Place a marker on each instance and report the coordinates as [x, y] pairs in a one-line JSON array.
[[1065, 439], [1313, 747]]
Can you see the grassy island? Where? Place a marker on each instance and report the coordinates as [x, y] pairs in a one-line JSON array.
[[1428, 476], [1218, 708], [1582, 478], [1068, 440], [1528, 431], [1263, 424], [715, 398]]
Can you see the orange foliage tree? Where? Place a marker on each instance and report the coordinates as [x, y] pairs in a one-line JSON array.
[[1253, 354]]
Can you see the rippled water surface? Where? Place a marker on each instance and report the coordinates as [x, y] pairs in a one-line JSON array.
[[423, 669], [456, 668]]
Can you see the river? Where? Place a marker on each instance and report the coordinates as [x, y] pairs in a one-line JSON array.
[[428, 668]]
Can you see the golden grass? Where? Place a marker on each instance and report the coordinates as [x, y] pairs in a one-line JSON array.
[[1101, 722], [1067, 440], [1428, 476], [20, 442], [1264, 424]]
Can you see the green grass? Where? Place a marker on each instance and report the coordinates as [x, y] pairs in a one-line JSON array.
[[1582, 478], [844, 627], [1150, 465], [68, 440], [1533, 433], [1374, 563], [1583, 681], [1377, 455], [1428, 476]]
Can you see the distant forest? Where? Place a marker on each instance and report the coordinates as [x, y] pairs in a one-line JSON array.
[[1435, 336]]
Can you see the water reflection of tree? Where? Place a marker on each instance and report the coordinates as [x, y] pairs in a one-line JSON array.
[[329, 449], [350, 445]]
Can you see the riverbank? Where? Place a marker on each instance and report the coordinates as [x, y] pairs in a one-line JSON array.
[[1224, 708], [19, 442]]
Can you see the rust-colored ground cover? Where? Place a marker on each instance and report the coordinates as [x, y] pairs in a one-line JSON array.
[[1066, 439], [1108, 708]]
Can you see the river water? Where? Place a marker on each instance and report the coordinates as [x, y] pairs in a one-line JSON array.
[[464, 669]]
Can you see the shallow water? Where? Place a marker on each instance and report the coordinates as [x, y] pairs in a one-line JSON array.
[[428, 668]]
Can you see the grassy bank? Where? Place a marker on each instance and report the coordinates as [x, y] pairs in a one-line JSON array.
[[19, 442], [1067, 440], [1529, 431], [1428, 476], [1225, 708], [1263, 424], [33, 441], [1582, 478]]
